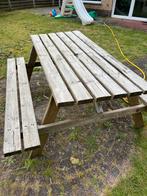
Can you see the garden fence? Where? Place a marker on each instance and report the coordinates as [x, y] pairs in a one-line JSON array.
[[22, 4]]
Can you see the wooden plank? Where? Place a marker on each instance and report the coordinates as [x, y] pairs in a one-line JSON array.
[[29, 125], [66, 124], [137, 118], [49, 117], [141, 83], [114, 89], [12, 137], [60, 92], [75, 86], [123, 81], [90, 82]]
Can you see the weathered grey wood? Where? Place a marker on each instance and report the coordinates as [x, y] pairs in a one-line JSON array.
[[31, 63], [75, 86], [49, 117], [12, 138], [66, 124], [60, 92], [29, 125], [143, 99], [114, 89], [141, 83], [137, 118], [94, 86], [123, 81]]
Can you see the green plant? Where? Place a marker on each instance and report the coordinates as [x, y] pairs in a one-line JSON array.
[[108, 124], [91, 143], [8, 161], [121, 135], [48, 172], [30, 164], [75, 134]]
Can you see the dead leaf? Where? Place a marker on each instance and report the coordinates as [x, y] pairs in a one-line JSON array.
[[74, 161]]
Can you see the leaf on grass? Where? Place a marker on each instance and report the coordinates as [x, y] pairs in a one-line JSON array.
[[75, 161]]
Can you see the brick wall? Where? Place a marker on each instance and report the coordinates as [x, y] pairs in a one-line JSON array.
[[105, 8]]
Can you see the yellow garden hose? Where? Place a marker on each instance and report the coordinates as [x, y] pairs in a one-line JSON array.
[[124, 56]]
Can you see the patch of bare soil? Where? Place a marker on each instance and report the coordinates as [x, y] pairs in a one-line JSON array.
[[78, 161]]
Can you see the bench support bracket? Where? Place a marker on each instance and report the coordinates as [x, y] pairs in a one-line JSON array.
[[49, 117]]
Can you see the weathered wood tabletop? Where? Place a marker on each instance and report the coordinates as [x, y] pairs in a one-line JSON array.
[[79, 71]]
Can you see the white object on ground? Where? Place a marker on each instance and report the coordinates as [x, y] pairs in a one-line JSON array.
[[79, 8]]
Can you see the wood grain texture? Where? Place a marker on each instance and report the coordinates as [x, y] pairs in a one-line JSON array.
[[29, 124], [132, 76], [95, 87], [112, 86], [59, 90], [12, 138], [75, 86], [121, 79]]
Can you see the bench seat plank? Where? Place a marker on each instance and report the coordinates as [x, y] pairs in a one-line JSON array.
[[29, 125], [12, 136]]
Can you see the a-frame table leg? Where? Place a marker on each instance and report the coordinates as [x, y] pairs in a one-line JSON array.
[[32, 60], [49, 117], [137, 118]]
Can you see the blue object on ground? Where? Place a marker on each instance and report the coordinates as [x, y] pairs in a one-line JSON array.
[[54, 13]]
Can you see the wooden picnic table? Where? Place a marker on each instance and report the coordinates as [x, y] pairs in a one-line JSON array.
[[78, 71]]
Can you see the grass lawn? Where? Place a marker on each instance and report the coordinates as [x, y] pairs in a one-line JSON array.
[[135, 183], [16, 27], [15, 30]]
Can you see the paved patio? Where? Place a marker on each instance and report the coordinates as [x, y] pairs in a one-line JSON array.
[[128, 23]]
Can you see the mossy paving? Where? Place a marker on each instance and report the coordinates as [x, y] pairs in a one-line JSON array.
[[101, 150]]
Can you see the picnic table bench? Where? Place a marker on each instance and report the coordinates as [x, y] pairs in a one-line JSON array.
[[78, 71]]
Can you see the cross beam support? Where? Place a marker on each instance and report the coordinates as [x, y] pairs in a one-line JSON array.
[[66, 124]]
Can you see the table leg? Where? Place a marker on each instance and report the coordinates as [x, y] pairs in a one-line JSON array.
[[30, 65], [137, 118], [49, 117]]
